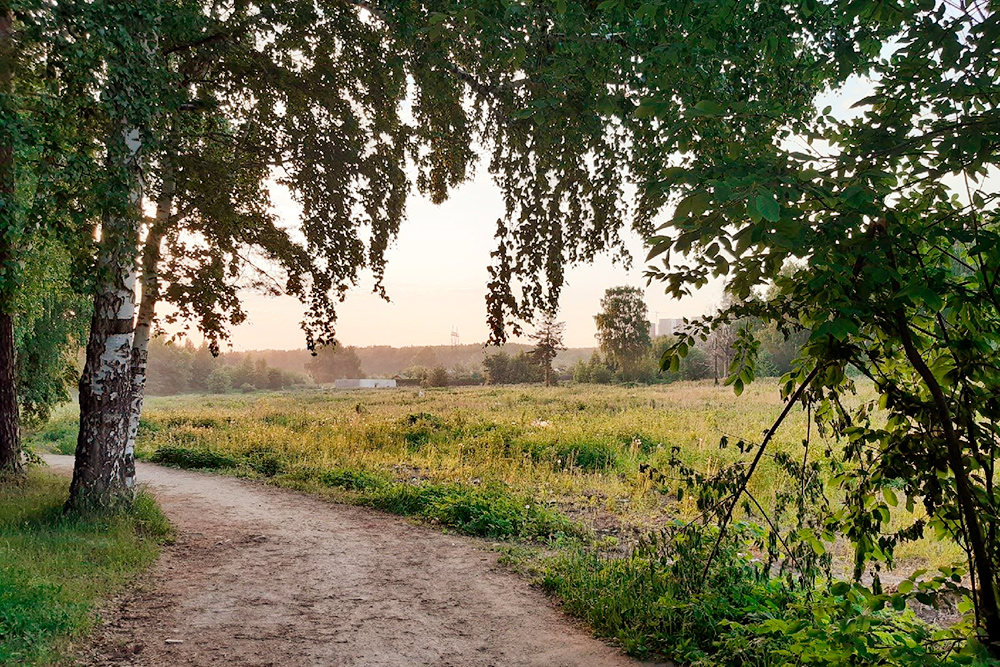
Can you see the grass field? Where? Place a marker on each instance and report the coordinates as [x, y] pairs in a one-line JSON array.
[[54, 569], [574, 449], [559, 471]]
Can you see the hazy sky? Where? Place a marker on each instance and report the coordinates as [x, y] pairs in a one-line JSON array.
[[436, 276], [436, 279]]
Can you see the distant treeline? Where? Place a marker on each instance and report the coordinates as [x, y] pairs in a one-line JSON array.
[[185, 368], [177, 368], [387, 361]]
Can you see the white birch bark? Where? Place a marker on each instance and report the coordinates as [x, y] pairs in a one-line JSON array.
[[147, 305], [102, 472]]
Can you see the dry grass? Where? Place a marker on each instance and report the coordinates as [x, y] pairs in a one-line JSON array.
[[577, 447]]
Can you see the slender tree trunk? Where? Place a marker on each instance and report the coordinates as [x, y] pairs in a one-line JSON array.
[[10, 437], [989, 599], [102, 473], [147, 306]]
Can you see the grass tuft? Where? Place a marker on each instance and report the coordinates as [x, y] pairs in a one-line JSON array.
[[492, 511], [193, 458]]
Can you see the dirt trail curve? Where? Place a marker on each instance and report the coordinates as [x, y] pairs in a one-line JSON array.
[[264, 576]]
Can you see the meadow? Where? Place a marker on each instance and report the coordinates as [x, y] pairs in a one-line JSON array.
[[583, 451], [575, 482]]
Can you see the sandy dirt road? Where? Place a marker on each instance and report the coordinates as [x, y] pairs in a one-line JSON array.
[[265, 576]]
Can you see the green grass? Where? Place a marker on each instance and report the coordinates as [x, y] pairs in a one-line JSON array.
[[574, 449], [492, 510], [54, 569], [657, 601]]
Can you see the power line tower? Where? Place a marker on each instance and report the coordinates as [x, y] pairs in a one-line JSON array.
[[454, 337]]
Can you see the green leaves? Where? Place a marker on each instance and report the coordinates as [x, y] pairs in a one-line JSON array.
[[622, 328], [708, 108], [767, 207]]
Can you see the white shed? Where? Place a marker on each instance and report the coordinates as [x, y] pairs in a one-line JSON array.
[[365, 383]]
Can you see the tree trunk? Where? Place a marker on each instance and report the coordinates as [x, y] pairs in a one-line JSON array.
[[147, 306], [989, 598], [103, 474], [10, 436]]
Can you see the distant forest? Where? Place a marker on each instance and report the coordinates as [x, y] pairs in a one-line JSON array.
[[387, 361], [185, 368]]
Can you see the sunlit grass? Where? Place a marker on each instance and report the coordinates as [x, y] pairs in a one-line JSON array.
[[577, 448]]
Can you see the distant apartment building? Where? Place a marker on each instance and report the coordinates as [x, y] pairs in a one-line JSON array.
[[669, 326]]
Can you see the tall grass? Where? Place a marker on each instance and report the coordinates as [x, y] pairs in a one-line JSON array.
[[54, 568], [577, 448], [555, 443], [534, 463]]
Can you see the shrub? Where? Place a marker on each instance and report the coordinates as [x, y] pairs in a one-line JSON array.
[[219, 381], [491, 511], [438, 377], [589, 456], [353, 480], [658, 601], [601, 375], [418, 428], [265, 462], [193, 458]]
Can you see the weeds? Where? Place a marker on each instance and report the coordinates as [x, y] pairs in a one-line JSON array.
[[193, 458], [491, 511], [497, 462], [657, 601]]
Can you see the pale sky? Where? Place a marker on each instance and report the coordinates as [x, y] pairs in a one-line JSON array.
[[436, 279], [437, 273]]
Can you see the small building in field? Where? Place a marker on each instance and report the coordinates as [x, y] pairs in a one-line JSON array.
[[363, 383]]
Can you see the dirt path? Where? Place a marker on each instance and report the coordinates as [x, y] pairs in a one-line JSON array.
[[264, 576]]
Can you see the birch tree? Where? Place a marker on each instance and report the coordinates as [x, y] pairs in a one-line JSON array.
[[104, 470], [319, 90], [622, 328], [40, 239]]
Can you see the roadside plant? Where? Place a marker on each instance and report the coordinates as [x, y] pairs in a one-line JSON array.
[[889, 219]]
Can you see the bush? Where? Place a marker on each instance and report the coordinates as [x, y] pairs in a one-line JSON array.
[[601, 375], [191, 458], [654, 602], [219, 381], [352, 480], [438, 377], [491, 511], [590, 456], [417, 428], [265, 462], [658, 601]]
